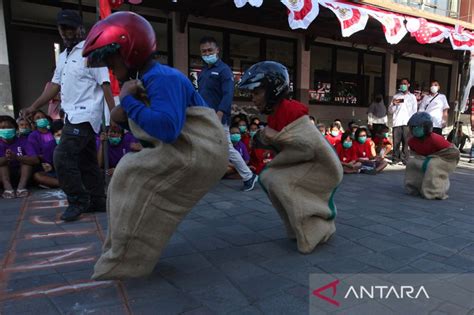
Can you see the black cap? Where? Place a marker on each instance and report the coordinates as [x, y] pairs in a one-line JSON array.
[[69, 18]]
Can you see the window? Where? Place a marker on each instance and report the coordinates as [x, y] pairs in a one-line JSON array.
[[240, 50], [345, 76], [442, 7]]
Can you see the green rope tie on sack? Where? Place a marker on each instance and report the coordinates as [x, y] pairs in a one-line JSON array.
[[424, 167], [332, 205]]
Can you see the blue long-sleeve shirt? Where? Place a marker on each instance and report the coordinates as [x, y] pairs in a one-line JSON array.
[[216, 86], [169, 93]]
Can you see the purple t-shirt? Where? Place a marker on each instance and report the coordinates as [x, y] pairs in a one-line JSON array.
[[240, 147], [118, 151], [19, 146], [43, 144]]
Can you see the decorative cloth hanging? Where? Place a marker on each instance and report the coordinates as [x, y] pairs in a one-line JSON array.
[[301, 13]]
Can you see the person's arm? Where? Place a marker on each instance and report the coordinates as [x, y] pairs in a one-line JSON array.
[[391, 107], [100, 149], [227, 88], [109, 97], [164, 118], [49, 93], [3, 161], [28, 160]]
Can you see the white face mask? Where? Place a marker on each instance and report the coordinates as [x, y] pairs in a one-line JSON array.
[[434, 89]]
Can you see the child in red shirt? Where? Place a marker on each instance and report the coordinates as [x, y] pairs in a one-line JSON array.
[[383, 145], [334, 137], [347, 154], [286, 112], [365, 151]]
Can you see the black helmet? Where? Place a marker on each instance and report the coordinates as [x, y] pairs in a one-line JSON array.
[[270, 75], [422, 119]]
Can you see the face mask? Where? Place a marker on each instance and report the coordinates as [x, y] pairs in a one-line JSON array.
[[7, 134], [347, 144], [210, 60], [434, 89], [115, 140], [403, 87], [24, 131], [385, 135], [235, 137], [242, 129], [418, 132], [378, 100], [334, 133], [362, 139], [57, 139], [42, 123], [253, 133]]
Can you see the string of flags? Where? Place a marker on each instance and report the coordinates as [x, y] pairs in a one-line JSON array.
[[353, 18]]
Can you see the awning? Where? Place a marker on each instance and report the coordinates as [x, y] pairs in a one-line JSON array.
[[353, 18]]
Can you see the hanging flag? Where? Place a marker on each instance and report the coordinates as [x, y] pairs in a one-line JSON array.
[[461, 39], [241, 3], [301, 13], [352, 18], [426, 32], [392, 24]]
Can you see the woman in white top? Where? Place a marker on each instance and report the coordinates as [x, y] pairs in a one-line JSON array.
[[377, 114], [436, 104]]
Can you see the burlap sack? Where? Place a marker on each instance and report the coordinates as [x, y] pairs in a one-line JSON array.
[[301, 181], [151, 192], [428, 176]]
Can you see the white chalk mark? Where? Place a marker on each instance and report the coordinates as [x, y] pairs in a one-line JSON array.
[[55, 234], [65, 253], [42, 265], [66, 288]]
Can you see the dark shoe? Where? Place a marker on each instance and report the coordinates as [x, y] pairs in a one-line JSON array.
[[72, 213], [250, 184], [369, 171], [98, 205]]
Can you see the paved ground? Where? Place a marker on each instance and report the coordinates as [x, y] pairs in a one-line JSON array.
[[230, 255]]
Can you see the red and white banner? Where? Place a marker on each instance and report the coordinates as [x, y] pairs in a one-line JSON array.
[[241, 3], [392, 24], [301, 13], [352, 19], [426, 32], [461, 39]]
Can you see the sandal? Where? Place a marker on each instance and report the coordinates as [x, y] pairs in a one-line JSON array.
[[21, 193], [9, 194]]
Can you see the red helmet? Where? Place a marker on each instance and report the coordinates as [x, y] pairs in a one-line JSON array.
[[133, 34]]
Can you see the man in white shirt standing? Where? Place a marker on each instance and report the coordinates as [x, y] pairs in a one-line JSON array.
[[402, 107], [436, 104], [83, 91]]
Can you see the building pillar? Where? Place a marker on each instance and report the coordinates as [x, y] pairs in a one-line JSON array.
[[391, 75], [180, 43], [6, 102], [303, 61], [466, 11]]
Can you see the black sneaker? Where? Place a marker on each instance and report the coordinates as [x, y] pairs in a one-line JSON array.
[[98, 205], [250, 184], [72, 213]]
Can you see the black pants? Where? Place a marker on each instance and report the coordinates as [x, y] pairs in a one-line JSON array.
[[438, 131], [75, 161], [400, 137]]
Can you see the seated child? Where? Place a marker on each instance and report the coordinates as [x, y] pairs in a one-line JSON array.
[[338, 123], [258, 157], [383, 144], [365, 151], [244, 132], [353, 126], [460, 140], [236, 139], [47, 177], [41, 139], [16, 163], [322, 128], [334, 135], [347, 155], [120, 143], [313, 120], [24, 128], [434, 158]]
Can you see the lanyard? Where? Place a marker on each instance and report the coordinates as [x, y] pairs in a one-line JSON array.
[[427, 105]]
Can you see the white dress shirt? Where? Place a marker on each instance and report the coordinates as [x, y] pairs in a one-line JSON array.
[[435, 105], [403, 111], [82, 97]]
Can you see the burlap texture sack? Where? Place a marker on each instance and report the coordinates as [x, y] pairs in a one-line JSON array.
[[428, 176], [301, 181], [151, 192]]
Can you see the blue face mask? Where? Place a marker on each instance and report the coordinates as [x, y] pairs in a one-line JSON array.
[[243, 129], [418, 132], [57, 139], [253, 133], [362, 139], [42, 123], [7, 134], [211, 59], [334, 133], [114, 140], [235, 137], [347, 144]]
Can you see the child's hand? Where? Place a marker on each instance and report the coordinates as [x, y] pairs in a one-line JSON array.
[[110, 171], [103, 136], [136, 147], [129, 88], [47, 167], [9, 155]]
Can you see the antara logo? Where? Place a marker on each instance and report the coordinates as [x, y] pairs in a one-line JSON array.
[[382, 292]]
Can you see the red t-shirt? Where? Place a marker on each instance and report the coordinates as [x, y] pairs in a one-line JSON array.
[[363, 150], [428, 145], [257, 157], [381, 141], [285, 113], [333, 140], [246, 140], [346, 155]]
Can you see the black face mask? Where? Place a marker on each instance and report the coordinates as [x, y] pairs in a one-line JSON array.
[[378, 100]]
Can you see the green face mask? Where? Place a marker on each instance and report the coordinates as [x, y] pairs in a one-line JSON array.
[[42, 123], [57, 139], [418, 132], [7, 134], [403, 87], [385, 135], [253, 133], [235, 137], [362, 139], [347, 144], [115, 140], [24, 131], [243, 129]]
